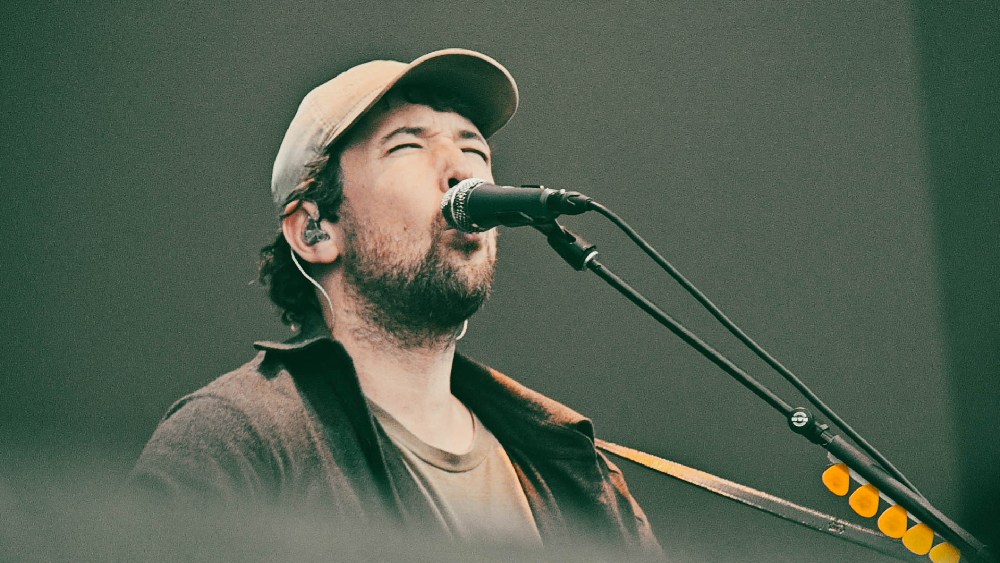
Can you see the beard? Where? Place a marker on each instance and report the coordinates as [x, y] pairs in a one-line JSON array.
[[414, 302]]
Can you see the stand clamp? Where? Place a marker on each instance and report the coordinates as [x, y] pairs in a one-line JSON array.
[[573, 249], [802, 421]]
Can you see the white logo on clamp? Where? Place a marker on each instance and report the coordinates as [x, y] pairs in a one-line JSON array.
[[800, 419]]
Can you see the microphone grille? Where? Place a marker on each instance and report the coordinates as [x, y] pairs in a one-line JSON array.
[[453, 205]]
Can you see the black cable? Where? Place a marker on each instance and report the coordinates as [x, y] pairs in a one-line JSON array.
[[757, 349], [689, 337]]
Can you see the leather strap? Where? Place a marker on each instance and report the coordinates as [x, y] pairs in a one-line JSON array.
[[777, 506]]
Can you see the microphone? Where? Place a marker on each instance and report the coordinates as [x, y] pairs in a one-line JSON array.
[[474, 206]]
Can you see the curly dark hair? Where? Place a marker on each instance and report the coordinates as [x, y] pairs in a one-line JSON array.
[[287, 287], [323, 185]]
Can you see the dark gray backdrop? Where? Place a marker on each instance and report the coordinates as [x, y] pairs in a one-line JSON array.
[[826, 172]]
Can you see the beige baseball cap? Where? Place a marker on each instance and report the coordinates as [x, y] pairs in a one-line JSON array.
[[331, 108]]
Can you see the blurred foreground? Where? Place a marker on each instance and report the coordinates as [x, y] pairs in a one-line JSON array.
[[81, 511]]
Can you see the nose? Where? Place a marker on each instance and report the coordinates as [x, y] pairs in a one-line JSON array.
[[455, 167]]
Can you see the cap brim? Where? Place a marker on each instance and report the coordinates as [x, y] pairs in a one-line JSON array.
[[481, 82]]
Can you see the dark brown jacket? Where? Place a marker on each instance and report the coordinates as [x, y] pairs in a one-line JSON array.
[[292, 426]]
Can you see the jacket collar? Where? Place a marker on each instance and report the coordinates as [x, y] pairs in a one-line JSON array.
[[514, 413]]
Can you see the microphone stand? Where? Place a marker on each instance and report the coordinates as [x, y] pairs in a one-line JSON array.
[[581, 255]]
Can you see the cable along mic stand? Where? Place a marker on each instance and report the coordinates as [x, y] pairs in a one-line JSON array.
[[581, 255]]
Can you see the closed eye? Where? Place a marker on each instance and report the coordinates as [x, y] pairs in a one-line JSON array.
[[403, 146], [479, 152]]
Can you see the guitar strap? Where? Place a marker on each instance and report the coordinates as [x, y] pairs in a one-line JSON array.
[[760, 500]]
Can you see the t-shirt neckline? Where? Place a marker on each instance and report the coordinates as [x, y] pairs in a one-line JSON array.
[[445, 460]]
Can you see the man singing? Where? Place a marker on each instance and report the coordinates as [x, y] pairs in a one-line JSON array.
[[368, 411]]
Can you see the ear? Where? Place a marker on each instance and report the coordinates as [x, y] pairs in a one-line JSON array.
[[294, 225]]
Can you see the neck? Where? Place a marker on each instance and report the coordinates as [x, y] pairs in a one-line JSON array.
[[409, 376]]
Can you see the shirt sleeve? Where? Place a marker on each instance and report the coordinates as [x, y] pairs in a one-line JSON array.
[[206, 450]]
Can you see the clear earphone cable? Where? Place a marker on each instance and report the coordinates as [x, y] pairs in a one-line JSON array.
[[314, 282]]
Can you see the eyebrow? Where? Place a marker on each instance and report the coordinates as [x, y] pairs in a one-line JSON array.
[[415, 131], [474, 135], [420, 131]]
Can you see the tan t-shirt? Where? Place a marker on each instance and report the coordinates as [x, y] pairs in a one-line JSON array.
[[475, 495]]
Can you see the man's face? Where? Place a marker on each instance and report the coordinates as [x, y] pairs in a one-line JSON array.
[[415, 273]]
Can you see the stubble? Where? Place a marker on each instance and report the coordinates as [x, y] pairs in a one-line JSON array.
[[413, 301]]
